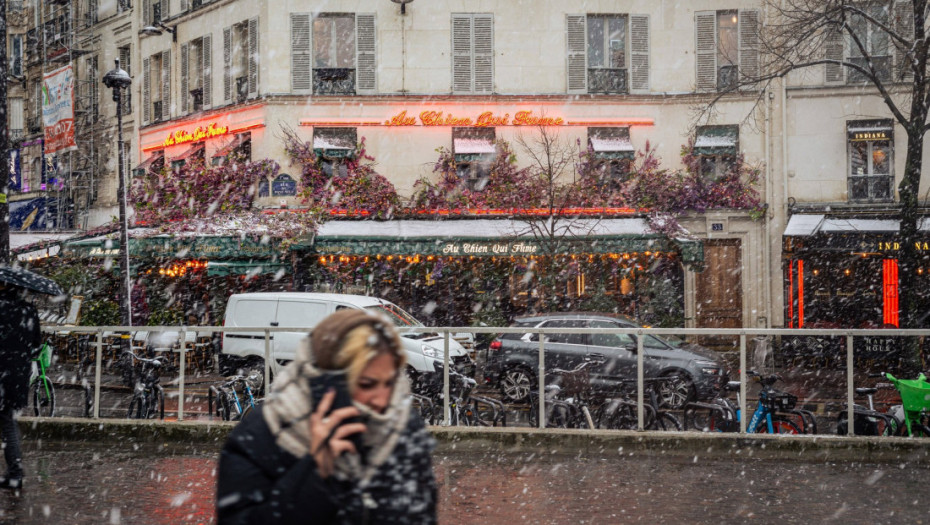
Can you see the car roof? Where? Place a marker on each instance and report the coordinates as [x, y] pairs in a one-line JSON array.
[[355, 300], [538, 318]]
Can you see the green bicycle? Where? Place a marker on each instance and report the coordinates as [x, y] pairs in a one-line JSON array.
[[41, 389]]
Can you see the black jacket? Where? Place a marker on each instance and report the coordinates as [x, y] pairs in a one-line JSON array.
[[259, 482], [20, 339]]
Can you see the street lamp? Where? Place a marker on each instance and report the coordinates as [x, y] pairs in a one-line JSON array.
[[117, 79]]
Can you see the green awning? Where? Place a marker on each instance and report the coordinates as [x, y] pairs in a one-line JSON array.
[[215, 247], [220, 268], [615, 155], [334, 153], [717, 140]]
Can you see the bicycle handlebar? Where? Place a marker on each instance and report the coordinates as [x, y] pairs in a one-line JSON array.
[[157, 360]]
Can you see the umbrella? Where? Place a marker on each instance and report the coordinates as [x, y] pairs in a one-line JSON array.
[[31, 281]]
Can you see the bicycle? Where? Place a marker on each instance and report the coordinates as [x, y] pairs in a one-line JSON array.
[[465, 408], [567, 395], [148, 397], [915, 398], [774, 414], [41, 389], [228, 404], [622, 413], [868, 421]]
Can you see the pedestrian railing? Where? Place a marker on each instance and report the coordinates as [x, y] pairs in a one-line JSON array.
[[843, 353]]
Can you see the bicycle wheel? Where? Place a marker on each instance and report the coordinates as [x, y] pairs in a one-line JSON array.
[[155, 404], [43, 397], [780, 425], [135, 407], [700, 419], [245, 412], [617, 416], [665, 421], [222, 405]]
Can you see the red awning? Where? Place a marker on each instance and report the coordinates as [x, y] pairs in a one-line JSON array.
[[147, 163], [240, 139], [191, 152]]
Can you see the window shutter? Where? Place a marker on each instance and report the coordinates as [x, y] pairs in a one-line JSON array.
[[577, 62], [748, 44], [253, 57], [207, 48], [185, 5], [483, 25], [365, 78], [185, 72], [227, 64], [165, 9], [461, 54], [904, 26], [706, 50], [146, 90], [146, 13], [833, 50], [639, 53], [301, 70], [166, 85], [16, 114]]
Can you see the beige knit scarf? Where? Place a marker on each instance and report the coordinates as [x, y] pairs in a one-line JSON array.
[[288, 407]]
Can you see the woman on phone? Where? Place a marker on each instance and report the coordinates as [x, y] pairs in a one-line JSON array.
[[308, 460]]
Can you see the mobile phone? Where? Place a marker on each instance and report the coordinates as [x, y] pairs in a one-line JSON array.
[[336, 381]]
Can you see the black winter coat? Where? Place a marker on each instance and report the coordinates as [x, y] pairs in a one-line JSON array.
[[20, 339], [259, 482]]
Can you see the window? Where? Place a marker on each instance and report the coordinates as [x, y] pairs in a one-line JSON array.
[[123, 5], [873, 40], [716, 147], [126, 65], [16, 118], [472, 53], [727, 44], [35, 120], [90, 13], [611, 340], [474, 151], [240, 61], [196, 77], [332, 147], [32, 45], [16, 55], [608, 53], [613, 152], [571, 339], [871, 156], [90, 90], [339, 59], [154, 11], [156, 87]]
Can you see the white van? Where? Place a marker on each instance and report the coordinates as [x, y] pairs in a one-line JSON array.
[[305, 310]]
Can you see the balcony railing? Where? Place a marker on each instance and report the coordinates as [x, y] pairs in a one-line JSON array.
[[605, 80], [334, 81]]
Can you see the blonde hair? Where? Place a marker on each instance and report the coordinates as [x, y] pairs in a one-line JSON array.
[[361, 345]]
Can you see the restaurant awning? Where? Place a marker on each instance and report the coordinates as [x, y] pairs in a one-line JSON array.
[[493, 237], [194, 150], [226, 150], [612, 147], [716, 140], [150, 161], [333, 146], [820, 232], [181, 247], [472, 148], [220, 268]]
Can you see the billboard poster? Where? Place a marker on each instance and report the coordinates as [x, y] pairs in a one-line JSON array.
[[58, 110], [16, 171], [29, 215]]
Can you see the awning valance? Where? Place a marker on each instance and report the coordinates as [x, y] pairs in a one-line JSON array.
[[149, 162], [245, 268], [333, 146], [716, 140], [488, 237], [205, 247], [612, 147]]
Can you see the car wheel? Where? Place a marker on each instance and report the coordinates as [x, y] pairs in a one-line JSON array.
[[675, 393], [516, 384]]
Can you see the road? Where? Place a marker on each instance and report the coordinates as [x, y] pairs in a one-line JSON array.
[[119, 484]]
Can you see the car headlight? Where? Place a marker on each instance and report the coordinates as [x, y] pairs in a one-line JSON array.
[[429, 351]]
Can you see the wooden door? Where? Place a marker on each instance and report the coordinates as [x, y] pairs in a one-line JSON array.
[[719, 290]]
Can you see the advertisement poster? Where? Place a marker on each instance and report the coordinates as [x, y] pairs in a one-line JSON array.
[[16, 171], [58, 110]]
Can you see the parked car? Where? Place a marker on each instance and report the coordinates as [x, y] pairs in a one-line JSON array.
[[305, 310], [513, 358]]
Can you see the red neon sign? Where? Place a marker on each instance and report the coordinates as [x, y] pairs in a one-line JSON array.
[[485, 119], [201, 133], [890, 292]]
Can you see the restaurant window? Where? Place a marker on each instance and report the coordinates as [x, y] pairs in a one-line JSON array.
[[196, 85], [156, 87], [341, 51], [613, 154], [716, 148], [333, 146], [240, 61], [727, 43], [871, 160], [475, 151], [472, 53]]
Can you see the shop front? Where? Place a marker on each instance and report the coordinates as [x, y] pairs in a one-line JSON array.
[[842, 272], [457, 272]]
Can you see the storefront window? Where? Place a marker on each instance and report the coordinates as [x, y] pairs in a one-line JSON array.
[[474, 151], [870, 161], [613, 152], [717, 147]]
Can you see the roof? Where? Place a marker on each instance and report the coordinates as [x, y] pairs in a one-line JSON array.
[[355, 300]]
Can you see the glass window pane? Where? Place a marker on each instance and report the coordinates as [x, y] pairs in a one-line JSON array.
[[879, 38], [595, 42], [727, 42], [858, 188], [323, 42], [616, 41], [880, 158], [858, 158], [881, 188], [572, 339], [345, 41], [860, 28]]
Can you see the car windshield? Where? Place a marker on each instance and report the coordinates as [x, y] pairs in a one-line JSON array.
[[396, 314]]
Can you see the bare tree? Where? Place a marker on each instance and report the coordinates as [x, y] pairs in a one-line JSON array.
[[888, 50]]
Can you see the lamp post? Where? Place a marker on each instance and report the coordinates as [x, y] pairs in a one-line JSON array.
[[117, 79]]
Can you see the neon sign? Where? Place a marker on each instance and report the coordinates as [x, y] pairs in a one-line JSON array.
[[201, 133], [486, 119]]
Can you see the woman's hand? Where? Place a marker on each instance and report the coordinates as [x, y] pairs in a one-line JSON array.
[[328, 434]]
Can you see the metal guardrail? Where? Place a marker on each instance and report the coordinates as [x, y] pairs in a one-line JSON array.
[[849, 335]]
